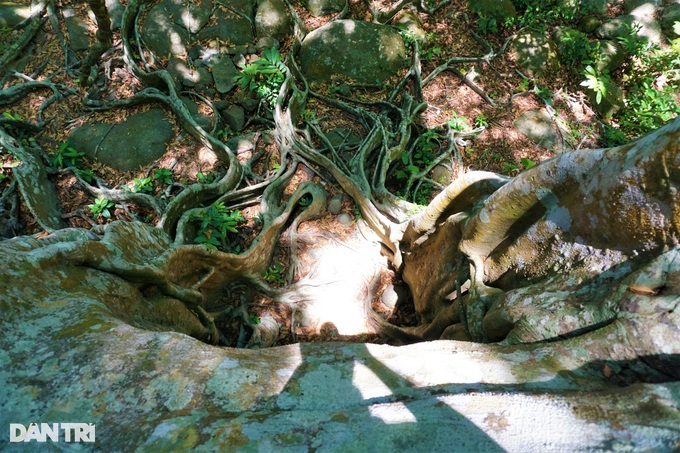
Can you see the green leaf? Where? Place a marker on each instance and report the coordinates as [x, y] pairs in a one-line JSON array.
[[528, 163]]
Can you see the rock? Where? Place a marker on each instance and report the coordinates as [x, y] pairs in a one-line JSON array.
[[267, 42], [115, 13], [235, 117], [335, 204], [539, 127], [497, 9], [589, 23], [610, 103], [272, 18], [204, 121], [156, 30], [648, 6], [88, 137], [671, 14], [136, 142], [611, 55], [186, 75], [442, 175], [12, 14], [233, 29], [191, 15], [249, 103], [79, 37], [620, 27], [409, 22], [345, 219], [223, 72], [535, 52], [320, 8], [362, 51]]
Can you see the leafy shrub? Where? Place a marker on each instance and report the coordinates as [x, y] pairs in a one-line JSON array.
[[67, 156], [101, 207], [216, 225], [274, 275], [264, 76], [577, 50], [650, 80], [143, 185], [163, 175], [540, 14]]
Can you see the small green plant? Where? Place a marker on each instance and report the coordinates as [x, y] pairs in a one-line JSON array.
[[101, 207], [632, 42], [458, 123], [143, 185], [509, 167], [264, 76], [86, 174], [224, 133], [576, 48], [11, 116], [481, 120], [408, 36], [274, 275], [423, 194], [163, 175], [541, 14], [487, 25], [431, 52], [67, 156], [527, 163], [254, 320], [305, 201], [596, 81], [2, 177], [204, 178], [423, 152], [216, 225]]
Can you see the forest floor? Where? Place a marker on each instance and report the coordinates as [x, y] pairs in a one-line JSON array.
[[500, 148]]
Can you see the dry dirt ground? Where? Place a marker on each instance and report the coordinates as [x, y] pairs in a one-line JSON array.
[[499, 148]]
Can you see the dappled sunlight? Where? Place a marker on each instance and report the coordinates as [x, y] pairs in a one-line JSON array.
[[368, 383], [340, 285], [189, 21], [392, 413]]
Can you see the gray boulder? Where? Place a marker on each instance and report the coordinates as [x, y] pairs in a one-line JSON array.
[[362, 51], [272, 18], [187, 75], [223, 72], [535, 52], [158, 28], [610, 103], [620, 27], [79, 38], [611, 55], [12, 14], [641, 5], [136, 142], [230, 28], [497, 9], [542, 129], [320, 8], [671, 14]]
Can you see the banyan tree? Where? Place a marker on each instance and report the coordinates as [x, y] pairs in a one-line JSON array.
[[544, 305]]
